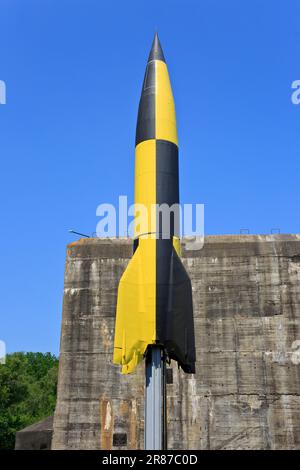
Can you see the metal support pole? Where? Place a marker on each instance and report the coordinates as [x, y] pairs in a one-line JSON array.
[[155, 400]]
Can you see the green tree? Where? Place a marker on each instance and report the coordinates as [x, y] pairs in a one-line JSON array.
[[28, 383]]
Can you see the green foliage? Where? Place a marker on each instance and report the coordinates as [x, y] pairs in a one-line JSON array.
[[28, 384]]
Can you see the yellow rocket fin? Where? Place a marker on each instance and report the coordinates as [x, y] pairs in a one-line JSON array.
[[136, 320], [177, 245]]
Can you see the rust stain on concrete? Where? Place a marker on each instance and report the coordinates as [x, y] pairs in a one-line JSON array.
[[106, 423]]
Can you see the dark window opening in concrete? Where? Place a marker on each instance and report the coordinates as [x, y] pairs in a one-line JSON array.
[[119, 439], [169, 376]]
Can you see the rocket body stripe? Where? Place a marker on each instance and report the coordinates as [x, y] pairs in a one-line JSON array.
[[165, 116], [155, 296], [145, 186], [167, 181], [145, 128]]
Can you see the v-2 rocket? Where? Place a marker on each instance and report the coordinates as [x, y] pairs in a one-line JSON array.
[[154, 304]]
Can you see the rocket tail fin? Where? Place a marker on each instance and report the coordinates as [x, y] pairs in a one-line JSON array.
[[135, 318], [154, 306], [175, 324]]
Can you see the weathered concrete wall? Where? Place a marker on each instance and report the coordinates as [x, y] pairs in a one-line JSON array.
[[246, 391]]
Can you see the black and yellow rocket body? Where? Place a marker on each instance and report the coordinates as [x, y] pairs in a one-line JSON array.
[[154, 304]]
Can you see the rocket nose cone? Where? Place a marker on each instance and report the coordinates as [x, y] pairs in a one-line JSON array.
[[156, 52]]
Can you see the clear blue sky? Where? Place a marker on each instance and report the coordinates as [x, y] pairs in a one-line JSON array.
[[74, 70]]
